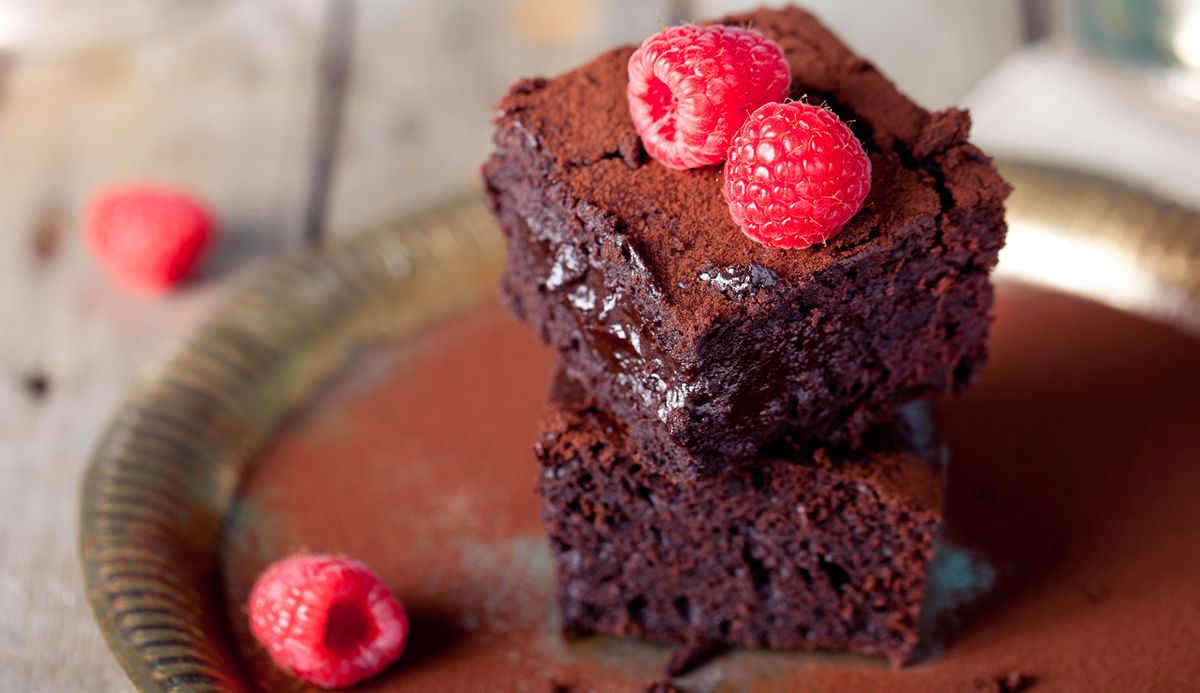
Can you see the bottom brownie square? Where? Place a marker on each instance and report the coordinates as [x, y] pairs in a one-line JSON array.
[[796, 550]]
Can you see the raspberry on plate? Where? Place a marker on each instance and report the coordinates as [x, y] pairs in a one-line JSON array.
[[149, 238], [328, 619], [691, 87], [794, 175]]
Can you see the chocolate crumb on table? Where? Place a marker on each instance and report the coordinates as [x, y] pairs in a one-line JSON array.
[[36, 384]]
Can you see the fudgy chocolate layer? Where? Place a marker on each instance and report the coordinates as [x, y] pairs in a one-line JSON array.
[[706, 341], [799, 550]]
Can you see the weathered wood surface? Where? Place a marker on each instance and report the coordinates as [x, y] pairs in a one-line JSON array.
[[234, 103], [223, 108], [426, 77], [228, 104]]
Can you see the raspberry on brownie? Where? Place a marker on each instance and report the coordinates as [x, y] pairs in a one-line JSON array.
[[691, 87], [704, 341], [800, 549], [795, 175]]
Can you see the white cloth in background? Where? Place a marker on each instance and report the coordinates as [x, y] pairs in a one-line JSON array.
[[1050, 103]]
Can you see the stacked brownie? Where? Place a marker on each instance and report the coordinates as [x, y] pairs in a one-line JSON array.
[[729, 454]]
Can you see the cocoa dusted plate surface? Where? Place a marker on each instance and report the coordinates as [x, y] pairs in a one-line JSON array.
[[387, 404]]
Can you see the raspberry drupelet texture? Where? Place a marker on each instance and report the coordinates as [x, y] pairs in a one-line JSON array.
[[327, 619], [149, 238], [691, 87], [794, 175]]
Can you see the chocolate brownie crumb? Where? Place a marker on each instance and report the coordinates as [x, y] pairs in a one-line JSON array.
[[1013, 682], [684, 659]]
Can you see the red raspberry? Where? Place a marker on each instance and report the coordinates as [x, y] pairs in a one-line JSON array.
[[327, 618], [148, 238], [795, 175], [691, 87]]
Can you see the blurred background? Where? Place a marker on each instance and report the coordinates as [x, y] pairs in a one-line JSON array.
[[302, 120]]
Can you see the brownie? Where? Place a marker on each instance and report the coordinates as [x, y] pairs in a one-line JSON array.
[[705, 341], [803, 549]]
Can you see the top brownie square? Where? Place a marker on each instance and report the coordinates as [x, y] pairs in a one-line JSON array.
[[705, 342]]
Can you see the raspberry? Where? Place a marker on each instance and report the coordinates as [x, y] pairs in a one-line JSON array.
[[691, 87], [795, 175], [148, 238], [327, 618]]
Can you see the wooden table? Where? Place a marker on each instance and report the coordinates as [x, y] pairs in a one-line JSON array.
[[296, 120]]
